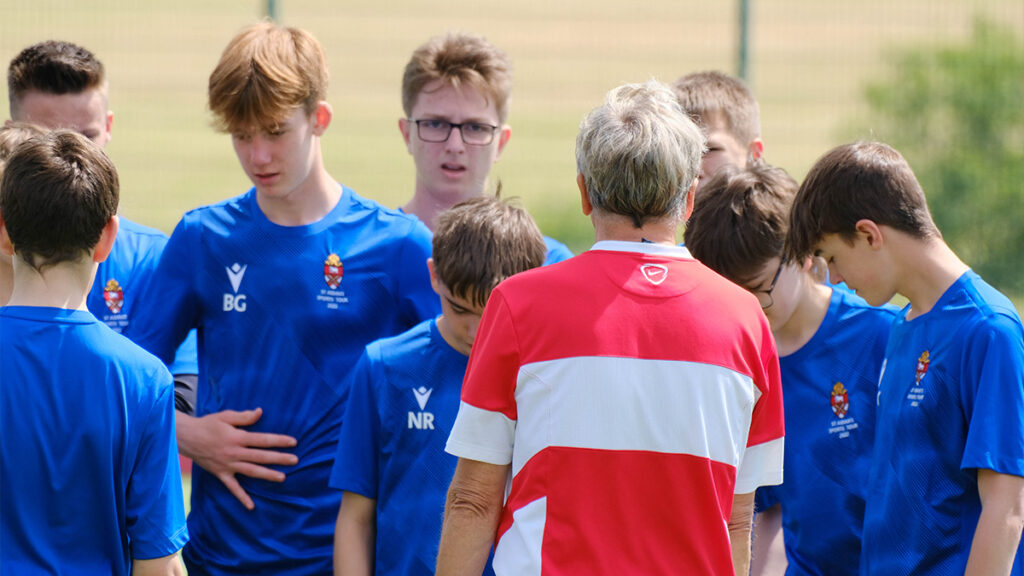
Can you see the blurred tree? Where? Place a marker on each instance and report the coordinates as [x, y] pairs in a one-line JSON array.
[[957, 114]]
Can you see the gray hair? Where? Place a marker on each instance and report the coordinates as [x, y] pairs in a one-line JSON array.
[[639, 153]]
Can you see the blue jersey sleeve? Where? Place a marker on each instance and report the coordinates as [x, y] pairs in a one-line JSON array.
[[417, 300], [557, 251], [355, 463], [171, 304], [993, 389], [155, 510]]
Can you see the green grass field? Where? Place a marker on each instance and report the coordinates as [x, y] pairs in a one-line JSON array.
[[809, 61]]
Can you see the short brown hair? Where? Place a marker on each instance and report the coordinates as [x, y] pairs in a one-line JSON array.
[[52, 67], [740, 220], [710, 93], [264, 74], [480, 242], [458, 59], [57, 194], [13, 135], [862, 180]]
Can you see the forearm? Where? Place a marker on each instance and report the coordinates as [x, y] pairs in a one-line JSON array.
[[739, 531], [768, 551], [471, 516], [354, 536], [166, 566], [999, 527]]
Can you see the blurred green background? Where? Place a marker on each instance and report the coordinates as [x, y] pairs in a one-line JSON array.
[[810, 64]]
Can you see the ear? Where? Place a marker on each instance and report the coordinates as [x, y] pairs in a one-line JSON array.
[[434, 282], [106, 241], [755, 150], [322, 117], [8, 122], [6, 246], [690, 199], [584, 196], [871, 233], [110, 124], [505, 132], [405, 127]]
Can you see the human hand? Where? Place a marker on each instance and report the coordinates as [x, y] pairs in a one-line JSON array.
[[218, 444]]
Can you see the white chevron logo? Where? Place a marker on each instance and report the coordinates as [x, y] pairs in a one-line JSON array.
[[422, 395], [235, 273]]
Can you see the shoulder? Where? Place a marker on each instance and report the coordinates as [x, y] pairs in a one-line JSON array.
[[393, 348], [557, 251]]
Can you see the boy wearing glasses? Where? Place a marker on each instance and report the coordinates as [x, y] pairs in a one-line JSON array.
[[287, 283], [455, 93], [830, 343]]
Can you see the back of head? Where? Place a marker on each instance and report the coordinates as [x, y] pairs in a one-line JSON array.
[[52, 67], [704, 95], [858, 181], [57, 194], [639, 154], [265, 73], [457, 59], [740, 220], [13, 135], [480, 242]]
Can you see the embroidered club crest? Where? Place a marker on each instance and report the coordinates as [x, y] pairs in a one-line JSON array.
[[113, 296], [922, 367], [332, 271], [840, 400]]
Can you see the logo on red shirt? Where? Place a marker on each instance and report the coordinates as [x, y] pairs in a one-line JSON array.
[[655, 273]]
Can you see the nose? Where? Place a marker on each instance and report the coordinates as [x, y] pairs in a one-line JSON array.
[[474, 323], [259, 151], [834, 276], [454, 142]]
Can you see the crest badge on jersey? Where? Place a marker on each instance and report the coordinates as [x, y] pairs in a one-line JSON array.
[[332, 271], [922, 367], [654, 273], [840, 400], [113, 296]]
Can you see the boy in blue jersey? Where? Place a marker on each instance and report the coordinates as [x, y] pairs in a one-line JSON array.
[[457, 82], [830, 344], [57, 84], [89, 477], [945, 492], [404, 397], [286, 283]]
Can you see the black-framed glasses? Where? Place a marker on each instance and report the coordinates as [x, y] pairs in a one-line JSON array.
[[473, 133], [764, 297]]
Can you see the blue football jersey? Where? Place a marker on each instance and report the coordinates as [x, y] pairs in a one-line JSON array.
[[283, 313], [829, 387], [122, 279], [403, 401], [556, 251], [950, 401], [89, 475]]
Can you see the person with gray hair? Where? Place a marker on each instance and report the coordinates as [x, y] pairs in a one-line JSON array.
[[619, 408]]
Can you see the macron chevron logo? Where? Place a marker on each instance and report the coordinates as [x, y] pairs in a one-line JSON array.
[[422, 395], [235, 273]]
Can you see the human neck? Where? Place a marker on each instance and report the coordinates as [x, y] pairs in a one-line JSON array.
[[308, 203], [6, 279], [621, 228], [812, 306], [928, 268], [427, 205], [65, 285]]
